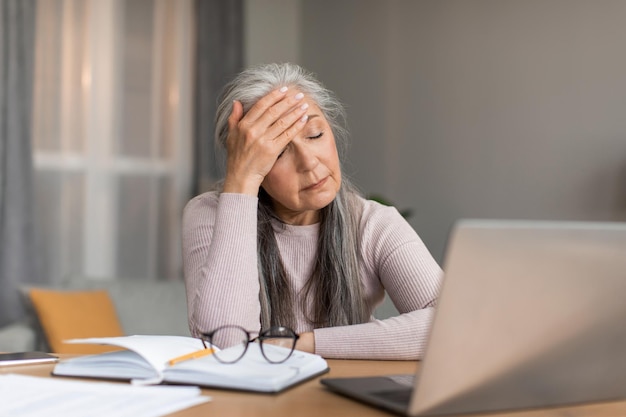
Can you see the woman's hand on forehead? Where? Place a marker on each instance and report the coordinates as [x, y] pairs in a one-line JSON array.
[[256, 139]]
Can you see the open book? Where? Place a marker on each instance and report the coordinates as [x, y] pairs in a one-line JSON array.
[[146, 360]]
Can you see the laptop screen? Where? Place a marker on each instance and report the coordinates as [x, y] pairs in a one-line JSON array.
[[531, 314]]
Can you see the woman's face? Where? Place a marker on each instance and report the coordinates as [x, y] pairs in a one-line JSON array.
[[306, 176]]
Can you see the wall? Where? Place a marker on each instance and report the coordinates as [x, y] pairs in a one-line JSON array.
[[272, 31], [471, 108], [480, 108]]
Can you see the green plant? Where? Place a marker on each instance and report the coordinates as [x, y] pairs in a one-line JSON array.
[[406, 213]]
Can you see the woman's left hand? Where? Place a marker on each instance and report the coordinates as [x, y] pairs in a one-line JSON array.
[[306, 342]]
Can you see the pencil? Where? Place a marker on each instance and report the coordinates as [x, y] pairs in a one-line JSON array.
[[193, 355]]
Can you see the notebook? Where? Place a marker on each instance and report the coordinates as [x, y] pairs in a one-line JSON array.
[[531, 314], [155, 359]]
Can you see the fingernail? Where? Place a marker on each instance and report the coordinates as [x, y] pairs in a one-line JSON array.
[[299, 96], [305, 106], [304, 118], [283, 89]]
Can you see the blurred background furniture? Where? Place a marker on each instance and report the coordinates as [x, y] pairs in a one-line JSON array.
[[143, 307]]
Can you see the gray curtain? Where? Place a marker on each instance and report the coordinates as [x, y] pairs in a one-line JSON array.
[[17, 252], [219, 57]]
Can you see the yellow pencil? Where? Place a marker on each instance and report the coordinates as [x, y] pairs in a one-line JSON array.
[[192, 355]]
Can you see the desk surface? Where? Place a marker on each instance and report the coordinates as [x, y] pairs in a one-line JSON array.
[[312, 399]]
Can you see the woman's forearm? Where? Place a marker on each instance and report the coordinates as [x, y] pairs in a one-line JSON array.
[[221, 266], [397, 338]]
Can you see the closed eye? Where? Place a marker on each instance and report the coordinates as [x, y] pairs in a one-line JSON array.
[[317, 136]]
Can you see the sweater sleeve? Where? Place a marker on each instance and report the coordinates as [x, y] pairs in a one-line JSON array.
[[396, 258], [220, 262]]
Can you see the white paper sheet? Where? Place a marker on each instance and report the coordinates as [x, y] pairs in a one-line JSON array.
[[26, 396]]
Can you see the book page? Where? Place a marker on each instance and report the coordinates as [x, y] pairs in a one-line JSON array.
[[156, 350], [27, 396], [252, 372]]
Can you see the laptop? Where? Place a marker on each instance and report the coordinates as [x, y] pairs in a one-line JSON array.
[[531, 314]]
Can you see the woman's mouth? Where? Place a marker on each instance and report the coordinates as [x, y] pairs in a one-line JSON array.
[[317, 185]]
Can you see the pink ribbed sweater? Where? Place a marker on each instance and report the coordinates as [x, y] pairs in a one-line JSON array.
[[221, 276]]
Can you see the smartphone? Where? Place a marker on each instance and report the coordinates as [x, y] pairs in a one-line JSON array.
[[26, 358]]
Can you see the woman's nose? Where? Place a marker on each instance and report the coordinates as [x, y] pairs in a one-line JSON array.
[[306, 160]]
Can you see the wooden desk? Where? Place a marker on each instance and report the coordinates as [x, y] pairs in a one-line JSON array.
[[312, 399]]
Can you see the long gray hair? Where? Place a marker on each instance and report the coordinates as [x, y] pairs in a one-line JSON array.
[[335, 285]]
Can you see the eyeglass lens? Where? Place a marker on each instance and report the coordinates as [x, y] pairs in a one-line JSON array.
[[236, 351], [277, 343]]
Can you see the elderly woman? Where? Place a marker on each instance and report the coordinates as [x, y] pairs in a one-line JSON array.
[[286, 240]]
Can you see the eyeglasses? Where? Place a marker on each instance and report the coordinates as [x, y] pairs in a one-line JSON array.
[[276, 343]]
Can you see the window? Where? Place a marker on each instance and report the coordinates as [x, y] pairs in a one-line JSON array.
[[112, 136]]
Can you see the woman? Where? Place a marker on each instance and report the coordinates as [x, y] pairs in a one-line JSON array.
[[286, 240]]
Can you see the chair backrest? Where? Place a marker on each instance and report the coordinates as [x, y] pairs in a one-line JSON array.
[[141, 307]]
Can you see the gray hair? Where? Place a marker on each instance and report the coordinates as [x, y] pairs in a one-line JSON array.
[[253, 83], [334, 286]]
